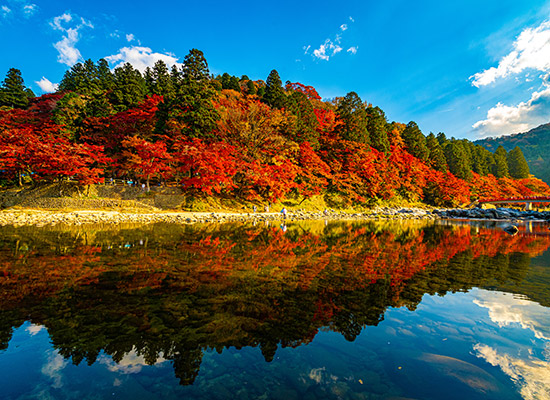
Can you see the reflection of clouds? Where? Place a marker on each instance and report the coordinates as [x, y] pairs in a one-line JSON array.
[[34, 329], [131, 363], [531, 375], [53, 367], [505, 309]]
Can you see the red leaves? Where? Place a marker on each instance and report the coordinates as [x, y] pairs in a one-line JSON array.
[[208, 168]]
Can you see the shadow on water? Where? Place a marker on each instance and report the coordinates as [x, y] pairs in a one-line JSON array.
[[173, 292]]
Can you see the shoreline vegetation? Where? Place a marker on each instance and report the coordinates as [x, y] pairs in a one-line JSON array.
[[224, 139]]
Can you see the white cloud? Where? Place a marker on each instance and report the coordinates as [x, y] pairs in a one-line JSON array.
[[531, 375], [351, 19], [68, 53], [507, 310], [35, 329], [531, 50], [140, 57], [46, 85], [53, 367], [131, 363], [5, 11], [330, 47], [503, 119], [130, 37], [326, 50], [353, 49], [30, 9]]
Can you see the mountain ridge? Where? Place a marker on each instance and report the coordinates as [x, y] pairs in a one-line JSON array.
[[535, 145]]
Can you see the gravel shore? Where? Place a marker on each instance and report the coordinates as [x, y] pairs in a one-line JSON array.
[[42, 217]]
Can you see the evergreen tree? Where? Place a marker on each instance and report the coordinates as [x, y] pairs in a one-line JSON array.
[[104, 75], [306, 121], [353, 115], [442, 139], [250, 88], [377, 129], [234, 84], [193, 104], [457, 160], [13, 92], [482, 160], [81, 78], [129, 88], [274, 93], [517, 165], [415, 141], [500, 167], [436, 158], [175, 77], [161, 81]]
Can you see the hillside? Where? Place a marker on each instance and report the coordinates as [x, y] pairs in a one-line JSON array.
[[535, 145]]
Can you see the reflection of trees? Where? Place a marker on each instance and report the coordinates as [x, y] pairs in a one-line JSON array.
[[173, 292]]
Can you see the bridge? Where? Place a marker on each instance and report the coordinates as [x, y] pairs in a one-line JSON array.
[[508, 200]]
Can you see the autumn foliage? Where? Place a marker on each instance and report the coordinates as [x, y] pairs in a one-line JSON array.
[[248, 149]]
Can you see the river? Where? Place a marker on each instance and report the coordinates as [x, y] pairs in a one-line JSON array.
[[308, 310]]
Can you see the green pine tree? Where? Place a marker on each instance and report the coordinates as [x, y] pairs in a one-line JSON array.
[[415, 141], [353, 115], [457, 160], [193, 103], [517, 165], [306, 121], [436, 158], [500, 167], [129, 88], [13, 92], [377, 127], [274, 93]]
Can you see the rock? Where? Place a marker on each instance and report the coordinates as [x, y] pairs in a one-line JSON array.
[[511, 229]]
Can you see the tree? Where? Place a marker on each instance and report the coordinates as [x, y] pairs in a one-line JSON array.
[[105, 77], [377, 128], [129, 88], [274, 93], [250, 88], [353, 115], [193, 113], [13, 92], [456, 159], [500, 167], [306, 121], [517, 165], [436, 157], [81, 78], [161, 81], [415, 141], [145, 159]]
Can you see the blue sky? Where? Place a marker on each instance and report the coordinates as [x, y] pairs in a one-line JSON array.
[[470, 68]]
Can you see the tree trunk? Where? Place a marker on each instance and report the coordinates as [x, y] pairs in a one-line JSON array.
[[148, 188], [20, 180]]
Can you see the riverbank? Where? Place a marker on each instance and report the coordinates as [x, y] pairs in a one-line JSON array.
[[43, 217]]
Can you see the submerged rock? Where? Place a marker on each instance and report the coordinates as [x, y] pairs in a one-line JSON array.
[[511, 229]]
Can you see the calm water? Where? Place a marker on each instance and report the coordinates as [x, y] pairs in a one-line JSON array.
[[305, 311]]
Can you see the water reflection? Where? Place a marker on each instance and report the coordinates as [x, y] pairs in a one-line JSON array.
[[168, 295]]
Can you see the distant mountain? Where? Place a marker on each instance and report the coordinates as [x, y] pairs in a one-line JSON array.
[[535, 145]]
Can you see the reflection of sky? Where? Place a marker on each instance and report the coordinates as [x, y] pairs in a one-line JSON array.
[[476, 345], [131, 363], [528, 368]]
